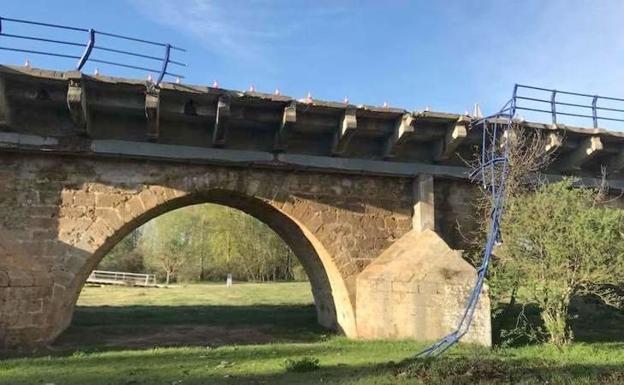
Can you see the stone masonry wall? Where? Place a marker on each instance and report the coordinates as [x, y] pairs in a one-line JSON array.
[[60, 215], [455, 211]]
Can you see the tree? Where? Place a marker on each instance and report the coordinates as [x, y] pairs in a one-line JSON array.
[[558, 242], [207, 242], [125, 256], [528, 153], [165, 243]]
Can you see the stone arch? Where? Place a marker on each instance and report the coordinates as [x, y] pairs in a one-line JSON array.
[[62, 214], [334, 306]]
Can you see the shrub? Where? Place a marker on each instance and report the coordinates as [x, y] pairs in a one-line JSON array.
[[305, 364], [560, 242]]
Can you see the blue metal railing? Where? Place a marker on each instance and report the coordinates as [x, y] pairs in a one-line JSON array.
[[543, 100], [492, 174], [92, 45]]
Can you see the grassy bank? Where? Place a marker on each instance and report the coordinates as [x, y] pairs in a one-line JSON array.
[[244, 335], [341, 362]]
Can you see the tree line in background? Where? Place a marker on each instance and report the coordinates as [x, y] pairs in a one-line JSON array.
[[205, 243]]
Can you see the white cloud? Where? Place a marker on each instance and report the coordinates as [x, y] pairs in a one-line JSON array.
[[236, 29]]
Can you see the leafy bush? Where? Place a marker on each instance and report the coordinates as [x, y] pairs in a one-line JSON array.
[[560, 242], [305, 364]]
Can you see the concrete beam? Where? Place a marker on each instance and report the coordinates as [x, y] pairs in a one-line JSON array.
[[123, 148], [423, 217], [587, 149], [170, 152], [403, 128], [372, 167], [14, 142], [221, 121], [509, 136], [289, 120], [77, 102], [554, 142], [348, 125], [201, 155], [152, 113], [455, 135]]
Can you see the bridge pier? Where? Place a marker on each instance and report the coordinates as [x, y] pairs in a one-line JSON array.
[[417, 287]]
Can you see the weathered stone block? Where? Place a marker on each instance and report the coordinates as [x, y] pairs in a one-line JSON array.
[[20, 278], [44, 235], [107, 200], [110, 216], [72, 212], [42, 223], [83, 198], [34, 306], [428, 283], [42, 211], [149, 199], [133, 208], [62, 279]]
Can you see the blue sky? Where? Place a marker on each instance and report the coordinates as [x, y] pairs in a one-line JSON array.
[[446, 55]]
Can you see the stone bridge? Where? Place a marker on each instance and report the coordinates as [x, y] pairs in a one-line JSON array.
[[372, 200]]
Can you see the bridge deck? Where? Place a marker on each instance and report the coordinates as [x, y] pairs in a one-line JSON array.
[[71, 113]]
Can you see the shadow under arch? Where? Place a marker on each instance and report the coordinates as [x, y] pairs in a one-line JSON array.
[[333, 304]]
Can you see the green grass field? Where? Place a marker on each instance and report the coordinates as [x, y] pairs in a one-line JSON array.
[[208, 334]]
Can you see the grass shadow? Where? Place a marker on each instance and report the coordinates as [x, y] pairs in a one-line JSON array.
[[590, 319], [594, 321], [121, 327], [460, 368]]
